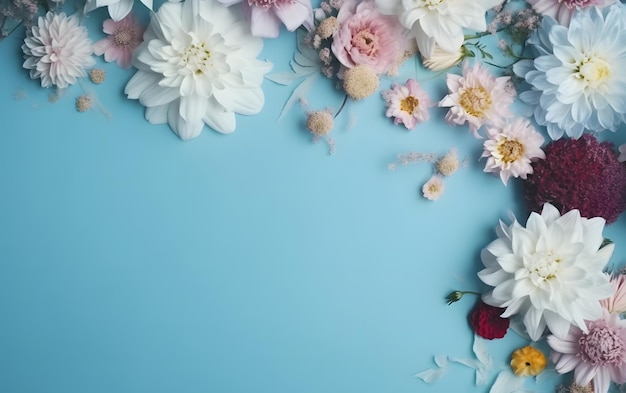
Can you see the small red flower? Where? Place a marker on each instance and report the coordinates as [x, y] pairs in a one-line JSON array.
[[487, 322]]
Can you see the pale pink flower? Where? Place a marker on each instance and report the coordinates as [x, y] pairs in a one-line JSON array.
[[365, 36], [477, 98], [57, 50], [511, 149], [617, 302], [408, 104], [433, 188], [598, 356], [563, 10], [266, 16], [124, 37]]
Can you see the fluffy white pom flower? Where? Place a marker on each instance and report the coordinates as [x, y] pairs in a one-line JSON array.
[[57, 50], [198, 65], [578, 79], [118, 9], [551, 272], [439, 22]]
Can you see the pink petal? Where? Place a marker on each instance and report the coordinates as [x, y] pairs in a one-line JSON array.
[[102, 46], [109, 26], [264, 23], [293, 15]]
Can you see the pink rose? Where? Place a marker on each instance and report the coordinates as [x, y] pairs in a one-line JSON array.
[[366, 36]]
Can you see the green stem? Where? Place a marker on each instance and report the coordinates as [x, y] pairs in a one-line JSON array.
[[345, 100]]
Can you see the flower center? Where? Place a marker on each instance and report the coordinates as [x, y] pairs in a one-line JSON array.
[[123, 37], [602, 346], [432, 4], [593, 70], [511, 150], [265, 4], [408, 104], [475, 101], [543, 266], [366, 42], [578, 3], [196, 58]]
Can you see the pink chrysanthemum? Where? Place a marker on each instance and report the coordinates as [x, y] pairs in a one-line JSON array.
[[477, 98], [511, 149], [563, 10], [124, 37], [617, 302], [598, 356], [579, 174], [266, 16], [57, 50], [408, 104], [365, 36]]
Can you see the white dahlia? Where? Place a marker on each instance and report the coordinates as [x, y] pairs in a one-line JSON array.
[[196, 65], [439, 22], [57, 50], [550, 272], [577, 80], [118, 9]]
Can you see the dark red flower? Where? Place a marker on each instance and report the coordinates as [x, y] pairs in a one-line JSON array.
[[579, 174], [487, 322]]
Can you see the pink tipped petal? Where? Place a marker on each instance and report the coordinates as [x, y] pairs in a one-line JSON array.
[[293, 15], [264, 23]]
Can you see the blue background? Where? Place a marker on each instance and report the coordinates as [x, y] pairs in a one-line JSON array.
[[131, 261]]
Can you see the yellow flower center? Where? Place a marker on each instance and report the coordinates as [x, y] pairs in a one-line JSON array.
[[432, 4], [196, 58], [528, 361], [475, 101], [511, 150], [593, 70], [408, 104]]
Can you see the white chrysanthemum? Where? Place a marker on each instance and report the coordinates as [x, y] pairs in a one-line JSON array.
[[118, 9], [57, 50], [198, 65], [477, 98], [439, 22], [578, 79], [511, 149], [551, 272]]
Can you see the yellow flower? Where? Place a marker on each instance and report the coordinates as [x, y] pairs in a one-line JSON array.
[[528, 361]]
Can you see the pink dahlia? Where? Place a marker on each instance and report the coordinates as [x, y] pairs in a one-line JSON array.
[[617, 302], [598, 356], [408, 104], [365, 36], [563, 10], [124, 37], [477, 98], [578, 174], [266, 16]]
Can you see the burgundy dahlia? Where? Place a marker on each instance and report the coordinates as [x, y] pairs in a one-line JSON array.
[[581, 174], [487, 322]]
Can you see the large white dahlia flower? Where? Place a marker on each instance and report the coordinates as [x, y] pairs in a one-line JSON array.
[[196, 65], [57, 50], [118, 9], [551, 272], [577, 78], [439, 22]]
